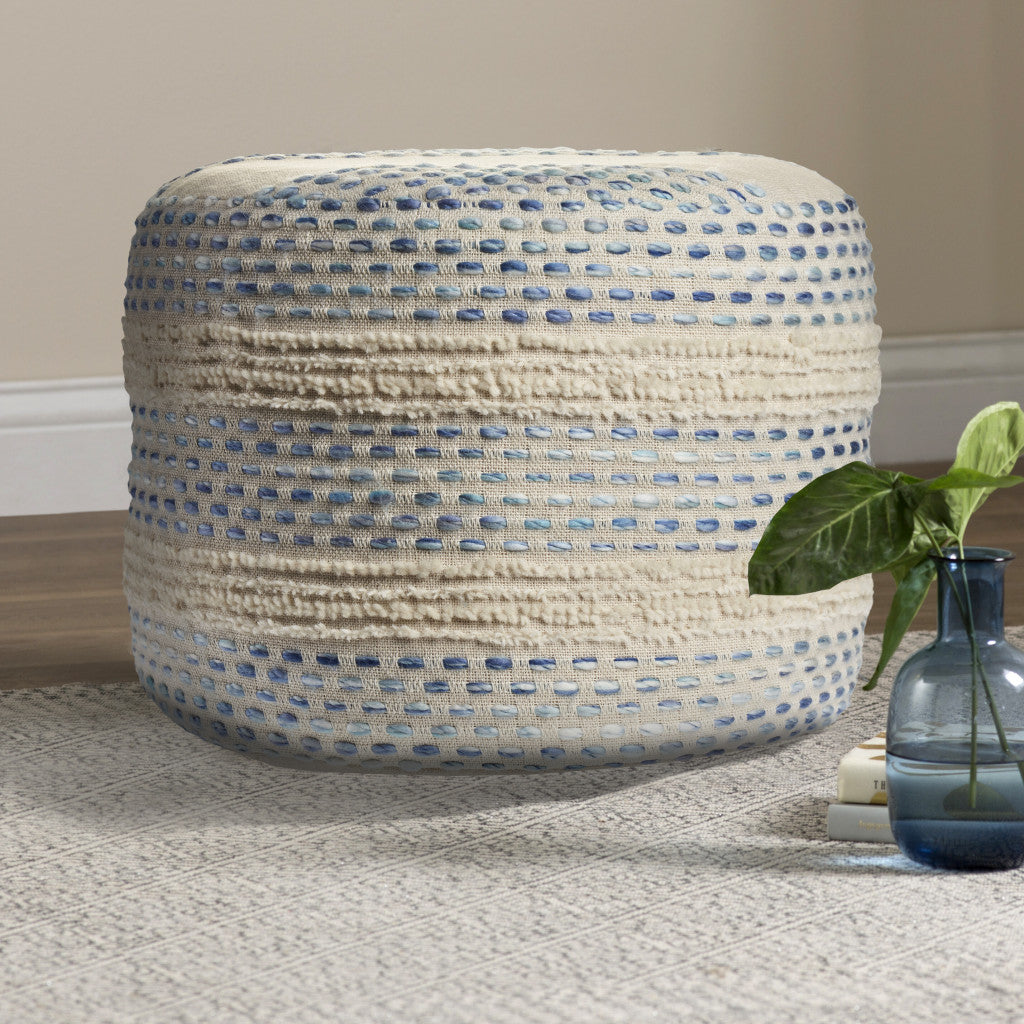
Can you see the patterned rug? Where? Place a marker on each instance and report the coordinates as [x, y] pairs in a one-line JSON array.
[[146, 876]]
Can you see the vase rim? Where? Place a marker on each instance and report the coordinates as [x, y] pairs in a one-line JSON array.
[[973, 553]]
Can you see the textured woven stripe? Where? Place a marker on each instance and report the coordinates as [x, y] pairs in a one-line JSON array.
[[805, 344], [662, 598], [456, 460], [517, 377]]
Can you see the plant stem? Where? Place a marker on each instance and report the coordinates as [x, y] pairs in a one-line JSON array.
[[976, 665]]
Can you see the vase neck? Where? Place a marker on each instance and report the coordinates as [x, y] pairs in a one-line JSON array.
[[973, 584]]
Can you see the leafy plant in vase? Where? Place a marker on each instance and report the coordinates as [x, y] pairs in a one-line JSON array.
[[955, 733]]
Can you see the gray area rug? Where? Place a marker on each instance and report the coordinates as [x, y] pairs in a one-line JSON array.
[[146, 876]]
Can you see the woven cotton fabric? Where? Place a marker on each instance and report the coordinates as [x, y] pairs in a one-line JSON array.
[[455, 459]]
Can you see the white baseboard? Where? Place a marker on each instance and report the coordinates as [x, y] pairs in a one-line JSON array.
[[933, 384], [65, 444]]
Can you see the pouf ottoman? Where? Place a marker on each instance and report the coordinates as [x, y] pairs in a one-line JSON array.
[[455, 459]]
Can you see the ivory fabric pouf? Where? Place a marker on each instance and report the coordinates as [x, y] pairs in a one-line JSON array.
[[455, 459]]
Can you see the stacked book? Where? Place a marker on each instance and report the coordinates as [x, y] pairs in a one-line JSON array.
[[862, 813]]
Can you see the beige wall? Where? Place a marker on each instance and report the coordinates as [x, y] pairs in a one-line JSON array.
[[913, 106]]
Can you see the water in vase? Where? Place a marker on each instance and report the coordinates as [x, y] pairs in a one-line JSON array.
[[938, 818]]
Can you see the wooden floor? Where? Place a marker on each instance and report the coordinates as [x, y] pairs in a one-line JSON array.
[[63, 617]]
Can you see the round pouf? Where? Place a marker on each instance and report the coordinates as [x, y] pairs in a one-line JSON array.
[[455, 459]]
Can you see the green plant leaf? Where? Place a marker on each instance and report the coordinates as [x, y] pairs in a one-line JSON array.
[[931, 517], [991, 443], [911, 591], [967, 479], [931, 506], [917, 549], [851, 521], [933, 524]]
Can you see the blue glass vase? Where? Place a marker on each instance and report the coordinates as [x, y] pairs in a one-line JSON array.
[[955, 735]]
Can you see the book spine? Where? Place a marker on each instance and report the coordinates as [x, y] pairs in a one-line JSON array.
[[866, 823], [861, 781]]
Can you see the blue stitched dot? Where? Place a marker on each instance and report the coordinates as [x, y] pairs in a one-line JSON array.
[[515, 315]]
